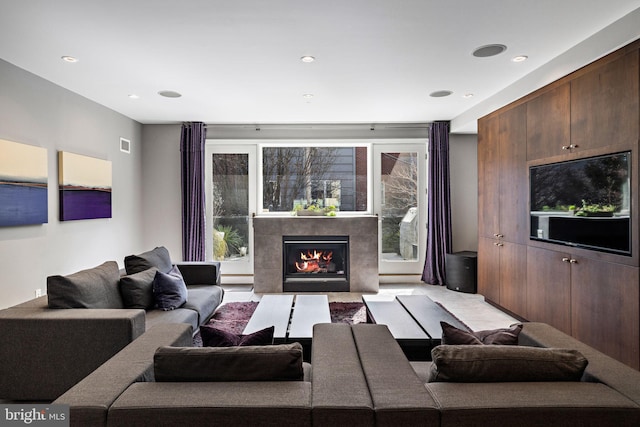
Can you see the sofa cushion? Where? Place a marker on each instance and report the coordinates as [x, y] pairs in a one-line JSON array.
[[203, 299], [179, 315], [169, 290], [215, 337], [281, 362], [497, 363], [158, 257], [455, 336], [137, 289], [92, 288]]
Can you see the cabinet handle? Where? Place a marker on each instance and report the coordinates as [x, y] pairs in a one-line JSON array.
[[573, 146], [499, 244], [499, 236], [566, 147], [565, 259], [573, 261]]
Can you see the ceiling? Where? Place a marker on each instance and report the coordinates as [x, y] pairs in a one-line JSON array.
[[376, 61]]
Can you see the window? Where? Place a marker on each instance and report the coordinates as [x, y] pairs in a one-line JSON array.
[[314, 176]]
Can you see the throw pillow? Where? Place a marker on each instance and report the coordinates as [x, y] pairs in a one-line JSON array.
[[498, 363], [158, 257], [137, 289], [92, 288], [282, 362], [214, 337], [505, 336], [169, 290]]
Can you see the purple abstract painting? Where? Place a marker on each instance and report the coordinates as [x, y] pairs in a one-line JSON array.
[[85, 187], [23, 184]]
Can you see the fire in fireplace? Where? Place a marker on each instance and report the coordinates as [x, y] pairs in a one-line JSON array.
[[315, 263]]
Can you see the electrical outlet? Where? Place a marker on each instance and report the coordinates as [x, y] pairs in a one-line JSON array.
[[38, 293]]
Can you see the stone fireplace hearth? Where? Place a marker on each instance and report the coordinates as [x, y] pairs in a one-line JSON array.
[[361, 232]]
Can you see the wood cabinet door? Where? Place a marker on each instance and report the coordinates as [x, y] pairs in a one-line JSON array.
[[513, 278], [489, 269], [488, 170], [605, 104], [549, 288], [513, 175], [549, 123], [605, 308]]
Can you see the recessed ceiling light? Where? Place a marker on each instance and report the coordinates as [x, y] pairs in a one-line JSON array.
[[169, 94], [71, 59], [519, 58], [467, 95], [307, 95], [307, 58], [133, 96], [440, 93], [489, 50]]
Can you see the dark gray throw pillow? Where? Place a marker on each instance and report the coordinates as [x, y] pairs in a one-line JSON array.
[[215, 337], [92, 288], [282, 362], [137, 289], [504, 363], [504, 336], [169, 290], [158, 257]]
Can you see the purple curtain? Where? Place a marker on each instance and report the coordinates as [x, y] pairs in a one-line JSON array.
[[439, 208], [192, 139]]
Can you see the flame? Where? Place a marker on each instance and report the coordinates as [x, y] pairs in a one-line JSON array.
[[314, 261]]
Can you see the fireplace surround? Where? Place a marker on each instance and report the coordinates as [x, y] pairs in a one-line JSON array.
[[269, 233]]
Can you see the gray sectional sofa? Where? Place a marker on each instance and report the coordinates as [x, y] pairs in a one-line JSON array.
[[360, 377], [51, 343]]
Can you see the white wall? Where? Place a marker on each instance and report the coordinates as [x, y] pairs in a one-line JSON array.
[[36, 112], [162, 197], [463, 161]]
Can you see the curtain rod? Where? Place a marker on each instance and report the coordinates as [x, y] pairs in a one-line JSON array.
[[319, 126]]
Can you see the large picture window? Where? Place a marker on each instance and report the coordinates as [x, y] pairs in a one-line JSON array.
[[295, 177]]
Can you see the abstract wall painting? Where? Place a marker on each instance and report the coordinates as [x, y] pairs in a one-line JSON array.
[[85, 187], [23, 184]]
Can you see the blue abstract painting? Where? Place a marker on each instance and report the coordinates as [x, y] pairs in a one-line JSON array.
[[23, 184], [85, 187]]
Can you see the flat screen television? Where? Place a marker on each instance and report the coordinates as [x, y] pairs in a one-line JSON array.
[[583, 203]]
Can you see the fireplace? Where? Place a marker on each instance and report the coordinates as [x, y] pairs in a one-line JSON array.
[[315, 263]]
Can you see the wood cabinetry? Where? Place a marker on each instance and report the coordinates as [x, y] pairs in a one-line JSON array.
[[502, 175], [595, 301], [502, 277], [549, 291], [502, 202], [548, 125], [591, 295], [605, 104], [488, 174], [605, 308]]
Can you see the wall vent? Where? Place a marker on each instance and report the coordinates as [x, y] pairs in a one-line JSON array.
[[125, 145]]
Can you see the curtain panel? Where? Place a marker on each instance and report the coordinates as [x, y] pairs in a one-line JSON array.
[[192, 141], [439, 205]]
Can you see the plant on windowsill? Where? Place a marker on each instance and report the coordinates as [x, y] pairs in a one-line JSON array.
[[314, 210], [595, 210], [311, 210]]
